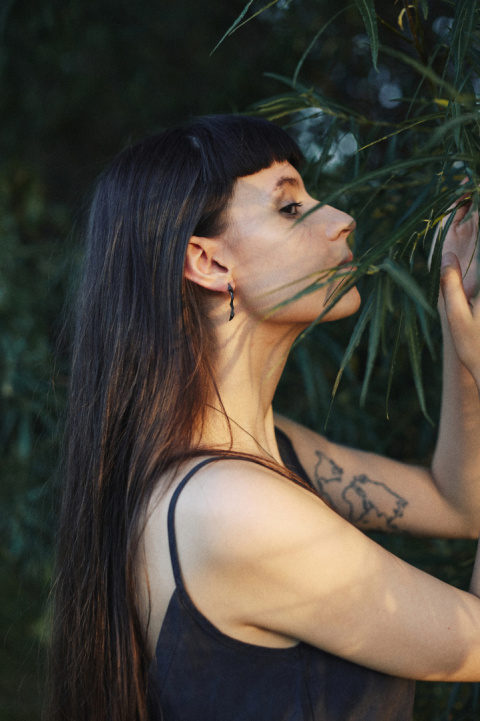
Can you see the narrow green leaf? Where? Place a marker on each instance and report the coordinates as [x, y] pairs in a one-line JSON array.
[[415, 353], [354, 339], [238, 22], [312, 43], [308, 376], [315, 99], [339, 293], [426, 331], [327, 144], [456, 124], [367, 11], [393, 363], [406, 282], [376, 325], [424, 6], [376, 175], [462, 29], [402, 129], [427, 72], [259, 12], [234, 26]]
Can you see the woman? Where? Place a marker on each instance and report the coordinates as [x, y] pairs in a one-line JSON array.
[[211, 560]]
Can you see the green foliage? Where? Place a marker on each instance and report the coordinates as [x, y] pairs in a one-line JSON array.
[[32, 290], [401, 173], [367, 10], [391, 145], [79, 80]]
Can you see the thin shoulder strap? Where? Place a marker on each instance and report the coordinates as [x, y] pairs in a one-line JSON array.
[[172, 541], [294, 465], [290, 458]]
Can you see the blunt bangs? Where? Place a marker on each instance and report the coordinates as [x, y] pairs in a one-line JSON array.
[[233, 146], [228, 147]]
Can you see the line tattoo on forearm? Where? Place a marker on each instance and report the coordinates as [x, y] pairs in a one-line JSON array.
[[364, 501]]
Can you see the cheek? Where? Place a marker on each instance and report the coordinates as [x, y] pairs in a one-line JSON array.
[[272, 267], [260, 260]]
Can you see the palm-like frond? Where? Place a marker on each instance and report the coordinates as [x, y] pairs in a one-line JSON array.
[[424, 155]]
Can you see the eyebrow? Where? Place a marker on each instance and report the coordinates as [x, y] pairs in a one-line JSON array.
[[286, 180]]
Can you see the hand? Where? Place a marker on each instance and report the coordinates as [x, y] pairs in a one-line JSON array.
[[463, 316], [462, 240]]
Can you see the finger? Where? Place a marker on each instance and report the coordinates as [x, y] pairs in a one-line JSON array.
[[463, 205], [445, 220], [459, 213], [463, 326], [456, 302]]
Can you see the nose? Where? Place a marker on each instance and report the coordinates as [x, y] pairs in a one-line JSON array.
[[337, 223]]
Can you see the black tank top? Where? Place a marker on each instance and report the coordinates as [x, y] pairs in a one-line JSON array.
[[201, 674]]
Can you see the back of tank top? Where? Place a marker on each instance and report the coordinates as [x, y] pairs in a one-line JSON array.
[[200, 674]]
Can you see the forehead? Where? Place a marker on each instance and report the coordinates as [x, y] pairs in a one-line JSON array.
[[267, 184]]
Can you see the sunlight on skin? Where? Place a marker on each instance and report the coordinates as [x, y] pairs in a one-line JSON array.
[[274, 253]]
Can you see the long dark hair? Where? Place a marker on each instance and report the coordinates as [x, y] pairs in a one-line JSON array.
[[140, 377]]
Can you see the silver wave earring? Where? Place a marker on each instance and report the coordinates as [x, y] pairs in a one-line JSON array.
[[232, 309]]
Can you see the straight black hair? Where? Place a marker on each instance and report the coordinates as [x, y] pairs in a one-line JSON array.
[[140, 377]]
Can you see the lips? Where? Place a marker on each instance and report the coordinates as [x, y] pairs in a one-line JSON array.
[[347, 259]]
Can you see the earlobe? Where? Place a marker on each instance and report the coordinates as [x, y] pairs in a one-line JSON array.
[[203, 267]]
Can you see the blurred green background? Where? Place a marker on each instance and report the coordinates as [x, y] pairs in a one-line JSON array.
[[79, 80]]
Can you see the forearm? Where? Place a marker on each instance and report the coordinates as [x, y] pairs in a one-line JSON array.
[[456, 462]]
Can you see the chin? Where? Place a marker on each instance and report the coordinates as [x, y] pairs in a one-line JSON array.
[[346, 306]]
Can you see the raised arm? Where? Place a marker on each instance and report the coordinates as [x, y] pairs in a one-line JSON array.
[[376, 493], [456, 463], [463, 317]]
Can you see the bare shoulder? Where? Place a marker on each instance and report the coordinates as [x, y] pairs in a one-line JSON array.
[[230, 506], [230, 517], [267, 562], [227, 503]]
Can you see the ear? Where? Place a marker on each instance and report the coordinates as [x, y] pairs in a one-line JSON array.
[[205, 264]]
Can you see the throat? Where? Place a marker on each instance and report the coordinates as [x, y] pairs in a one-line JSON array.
[[227, 431]]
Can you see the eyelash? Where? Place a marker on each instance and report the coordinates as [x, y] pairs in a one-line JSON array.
[[287, 208]]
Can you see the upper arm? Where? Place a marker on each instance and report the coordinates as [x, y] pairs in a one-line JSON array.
[[279, 559], [373, 492]]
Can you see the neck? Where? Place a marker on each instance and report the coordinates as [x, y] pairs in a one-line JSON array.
[[247, 367]]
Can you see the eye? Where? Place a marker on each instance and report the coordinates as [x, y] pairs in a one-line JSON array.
[[291, 209]]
